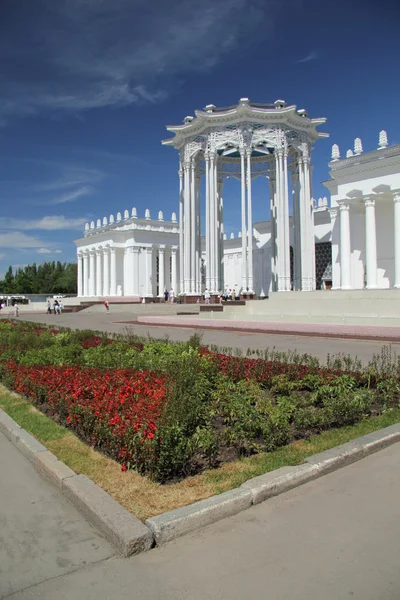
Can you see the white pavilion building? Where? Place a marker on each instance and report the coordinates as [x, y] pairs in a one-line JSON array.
[[349, 242]]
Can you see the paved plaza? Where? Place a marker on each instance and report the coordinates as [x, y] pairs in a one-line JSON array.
[[116, 322], [334, 538]]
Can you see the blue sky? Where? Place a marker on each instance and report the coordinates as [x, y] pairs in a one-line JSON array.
[[88, 86]]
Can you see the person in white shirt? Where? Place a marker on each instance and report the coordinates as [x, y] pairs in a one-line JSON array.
[[207, 296], [171, 296]]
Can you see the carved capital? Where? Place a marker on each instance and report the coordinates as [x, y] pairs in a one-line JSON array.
[[333, 213], [396, 198], [344, 207], [369, 201]]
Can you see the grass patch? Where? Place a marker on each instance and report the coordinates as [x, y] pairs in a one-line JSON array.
[[145, 498]]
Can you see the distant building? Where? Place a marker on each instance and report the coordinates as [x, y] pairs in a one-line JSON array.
[[351, 242]]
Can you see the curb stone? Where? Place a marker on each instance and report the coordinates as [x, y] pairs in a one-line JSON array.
[[175, 523], [130, 536], [279, 481], [125, 531]]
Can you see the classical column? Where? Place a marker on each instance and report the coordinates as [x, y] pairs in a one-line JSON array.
[[136, 271], [345, 247], [396, 200], [250, 275], [173, 269], [309, 223], [286, 231], [370, 244], [113, 277], [244, 228], [106, 271], [208, 223], [187, 230], [221, 283], [216, 230], [181, 233], [198, 234], [128, 271], [335, 249], [272, 193], [161, 275], [92, 276], [80, 274], [193, 226], [86, 274], [213, 223], [149, 271], [99, 272], [280, 223], [296, 230]]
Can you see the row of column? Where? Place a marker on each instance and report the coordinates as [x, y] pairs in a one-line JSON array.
[[97, 271], [370, 243], [190, 231], [303, 224], [189, 228]]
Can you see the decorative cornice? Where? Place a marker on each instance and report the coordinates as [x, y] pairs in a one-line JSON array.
[[366, 157], [244, 113]]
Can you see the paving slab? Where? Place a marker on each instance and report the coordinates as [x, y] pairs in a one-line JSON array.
[[42, 535], [335, 538]]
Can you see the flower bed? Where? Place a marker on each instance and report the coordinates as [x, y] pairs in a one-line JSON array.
[[109, 409], [172, 409]]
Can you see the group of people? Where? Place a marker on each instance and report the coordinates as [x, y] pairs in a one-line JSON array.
[[169, 295], [57, 307], [228, 294]]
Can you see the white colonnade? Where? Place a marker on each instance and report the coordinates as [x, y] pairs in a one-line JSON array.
[[99, 268], [371, 252]]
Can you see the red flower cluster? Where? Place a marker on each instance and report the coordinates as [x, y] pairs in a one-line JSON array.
[[238, 368], [107, 407], [93, 341]]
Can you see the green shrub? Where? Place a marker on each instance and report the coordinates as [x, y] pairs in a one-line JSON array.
[[307, 420], [346, 409], [282, 385], [53, 355], [277, 430]]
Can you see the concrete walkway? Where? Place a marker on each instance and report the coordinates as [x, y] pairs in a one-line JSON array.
[[42, 536], [115, 322], [334, 538]]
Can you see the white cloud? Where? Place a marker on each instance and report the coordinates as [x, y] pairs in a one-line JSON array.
[[19, 240], [72, 195], [96, 53], [311, 56], [47, 223], [48, 251]]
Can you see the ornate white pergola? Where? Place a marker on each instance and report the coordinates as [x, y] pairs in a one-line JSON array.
[[244, 142]]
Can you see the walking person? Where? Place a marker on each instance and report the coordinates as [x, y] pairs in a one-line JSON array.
[[107, 305], [16, 310], [171, 296], [48, 307], [166, 295], [207, 296]]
